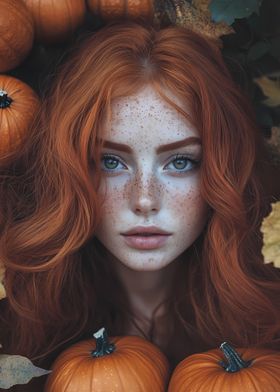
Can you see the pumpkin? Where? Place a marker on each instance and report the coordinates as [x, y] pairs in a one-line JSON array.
[[125, 363], [55, 20], [16, 32], [245, 369], [18, 105], [130, 9]]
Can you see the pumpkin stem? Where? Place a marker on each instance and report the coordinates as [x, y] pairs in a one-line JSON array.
[[235, 362], [103, 346], [5, 100]]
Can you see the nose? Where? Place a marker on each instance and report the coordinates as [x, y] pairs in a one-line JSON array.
[[145, 197]]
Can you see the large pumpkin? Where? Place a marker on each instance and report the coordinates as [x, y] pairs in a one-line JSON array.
[[126, 363], [245, 370], [130, 9], [16, 33], [55, 20], [18, 106]]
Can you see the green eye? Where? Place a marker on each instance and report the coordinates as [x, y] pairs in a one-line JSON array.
[[180, 163], [110, 163]]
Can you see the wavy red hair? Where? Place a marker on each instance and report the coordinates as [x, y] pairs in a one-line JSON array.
[[58, 286]]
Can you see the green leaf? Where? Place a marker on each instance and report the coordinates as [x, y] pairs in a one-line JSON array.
[[275, 47], [16, 369], [258, 50], [229, 10]]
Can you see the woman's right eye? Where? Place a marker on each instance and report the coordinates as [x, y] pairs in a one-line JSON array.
[[111, 163]]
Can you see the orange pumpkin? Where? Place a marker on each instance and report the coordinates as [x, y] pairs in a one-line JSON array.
[[55, 20], [18, 105], [254, 370], [130, 9], [16, 32], [126, 363]]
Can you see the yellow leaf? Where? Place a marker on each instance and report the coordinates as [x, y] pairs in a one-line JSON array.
[[2, 288], [271, 89], [271, 236]]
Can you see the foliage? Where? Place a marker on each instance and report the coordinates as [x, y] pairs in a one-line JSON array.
[[271, 236], [229, 10], [253, 52]]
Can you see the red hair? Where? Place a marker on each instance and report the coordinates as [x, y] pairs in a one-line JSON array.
[[57, 285]]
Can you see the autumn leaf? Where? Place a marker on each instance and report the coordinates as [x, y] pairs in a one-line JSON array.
[[16, 369], [199, 19], [271, 236], [195, 16], [271, 89], [2, 288]]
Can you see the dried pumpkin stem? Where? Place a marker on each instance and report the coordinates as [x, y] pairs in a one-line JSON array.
[[103, 346], [235, 362], [5, 100]]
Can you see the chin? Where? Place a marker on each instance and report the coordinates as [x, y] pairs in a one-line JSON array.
[[147, 263]]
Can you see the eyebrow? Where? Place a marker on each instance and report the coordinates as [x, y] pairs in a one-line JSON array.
[[163, 148]]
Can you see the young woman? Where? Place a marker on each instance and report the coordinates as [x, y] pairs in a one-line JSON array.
[[136, 202]]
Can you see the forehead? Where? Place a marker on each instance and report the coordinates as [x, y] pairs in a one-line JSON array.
[[147, 116]]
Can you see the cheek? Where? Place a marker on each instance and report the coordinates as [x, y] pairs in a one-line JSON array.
[[188, 207], [111, 206]]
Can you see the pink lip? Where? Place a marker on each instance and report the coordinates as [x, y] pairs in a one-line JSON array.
[[145, 229], [139, 241]]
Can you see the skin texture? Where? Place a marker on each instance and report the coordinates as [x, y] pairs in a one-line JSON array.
[[147, 189]]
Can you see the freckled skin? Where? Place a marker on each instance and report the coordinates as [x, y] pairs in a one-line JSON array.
[[144, 192]]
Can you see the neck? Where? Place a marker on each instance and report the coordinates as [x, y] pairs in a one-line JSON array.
[[146, 290]]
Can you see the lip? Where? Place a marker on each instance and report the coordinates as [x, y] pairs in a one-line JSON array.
[[145, 229], [149, 242], [134, 238]]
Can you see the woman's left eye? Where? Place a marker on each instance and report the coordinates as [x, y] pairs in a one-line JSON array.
[[182, 163]]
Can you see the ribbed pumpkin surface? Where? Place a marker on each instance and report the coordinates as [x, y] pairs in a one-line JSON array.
[[135, 366], [202, 373], [16, 33], [130, 9], [55, 20], [15, 119]]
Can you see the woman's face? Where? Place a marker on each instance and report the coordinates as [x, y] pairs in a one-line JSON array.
[[151, 173]]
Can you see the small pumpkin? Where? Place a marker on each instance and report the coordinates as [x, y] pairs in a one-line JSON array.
[[125, 363], [251, 369], [18, 105], [16, 32], [130, 9], [55, 20]]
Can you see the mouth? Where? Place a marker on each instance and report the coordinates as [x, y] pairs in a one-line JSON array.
[[144, 234], [146, 241], [146, 231]]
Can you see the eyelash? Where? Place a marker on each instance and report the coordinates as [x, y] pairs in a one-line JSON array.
[[194, 162]]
